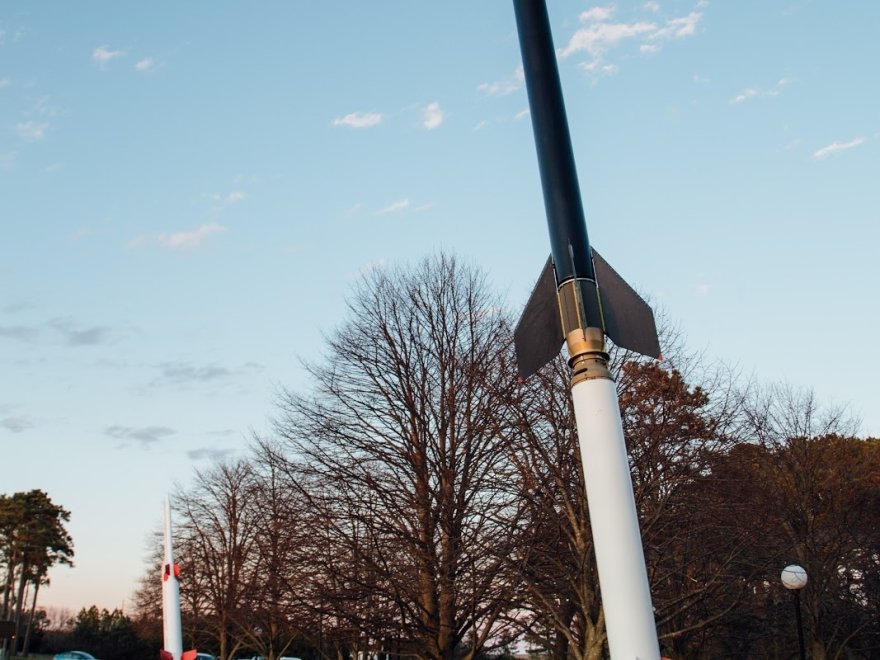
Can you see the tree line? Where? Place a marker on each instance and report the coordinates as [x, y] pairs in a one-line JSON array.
[[106, 634], [419, 500]]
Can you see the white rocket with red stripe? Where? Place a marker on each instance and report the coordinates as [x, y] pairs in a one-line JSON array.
[[172, 632]]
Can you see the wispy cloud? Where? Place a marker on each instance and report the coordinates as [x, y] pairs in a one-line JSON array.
[[191, 239], [432, 116], [704, 289], [74, 336], [359, 120], [102, 55], [745, 95], [146, 64], [596, 14], [404, 206], [228, 199], [17, 424], [209, 454], [145, 435], [678, 28], [5, 82], [31, 131], [394, 207], [600, 67], [15, 308], [837, 147], [44, 107], [181, 373], [505, 86], [17, 36], [182, 240], [19, 332], [600, 34], [71, 332], [757, 92]]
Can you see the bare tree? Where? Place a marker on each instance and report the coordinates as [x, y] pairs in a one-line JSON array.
[[217, 533], [400, 442], [281, 538]]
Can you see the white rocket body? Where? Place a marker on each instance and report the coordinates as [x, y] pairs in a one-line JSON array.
[[626, 598], [172, 633]]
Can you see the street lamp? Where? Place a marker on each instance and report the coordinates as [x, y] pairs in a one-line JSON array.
[[794, 578]]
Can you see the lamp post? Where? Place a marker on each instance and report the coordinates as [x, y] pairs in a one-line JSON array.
[[794, 578]]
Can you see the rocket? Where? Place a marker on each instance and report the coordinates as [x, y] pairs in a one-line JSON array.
[[171, 628], [579, 300]]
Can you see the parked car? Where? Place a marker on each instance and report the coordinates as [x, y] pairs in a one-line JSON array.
[[74, 655], [205, 656]]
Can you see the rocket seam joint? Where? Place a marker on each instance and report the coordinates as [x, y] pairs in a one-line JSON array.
[[588, 358]]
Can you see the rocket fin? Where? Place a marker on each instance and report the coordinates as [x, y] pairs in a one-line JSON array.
[[629, 321], [538, 335]]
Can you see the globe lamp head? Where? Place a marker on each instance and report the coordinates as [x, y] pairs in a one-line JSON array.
[[794, 577]]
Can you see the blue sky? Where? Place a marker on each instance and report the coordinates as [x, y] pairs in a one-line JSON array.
[[188, 192]]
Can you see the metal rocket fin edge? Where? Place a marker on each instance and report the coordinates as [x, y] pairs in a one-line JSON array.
[[629, 320], [538, 337]]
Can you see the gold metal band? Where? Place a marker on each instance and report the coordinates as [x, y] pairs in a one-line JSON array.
[[587, 356]]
